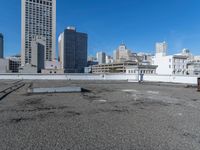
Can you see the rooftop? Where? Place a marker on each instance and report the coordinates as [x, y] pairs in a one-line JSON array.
[[107, 115]]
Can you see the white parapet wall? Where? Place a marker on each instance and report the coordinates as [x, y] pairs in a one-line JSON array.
[[122, 77], [172, 79], [67, 77]]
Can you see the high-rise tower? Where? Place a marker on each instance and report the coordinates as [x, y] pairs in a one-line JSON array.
[[73, 50], [161, 48], [38, 19]]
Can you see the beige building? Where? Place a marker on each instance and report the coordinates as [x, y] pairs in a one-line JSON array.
[[38, 18], [122, 54], [112, 68]]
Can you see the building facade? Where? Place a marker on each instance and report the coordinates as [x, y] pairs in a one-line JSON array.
[[73, 54], [38, 19], [61, 49], [112, 68], [171, 64], [121, 54], [109, 60], [1, 45], [161, 48], [101, 57], [141, 69], [4, 65], [14, 63], [38, 53]]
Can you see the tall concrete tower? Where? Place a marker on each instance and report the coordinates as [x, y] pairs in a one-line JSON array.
[[101, 57], [1, 45], [38, 19], [161, 48]]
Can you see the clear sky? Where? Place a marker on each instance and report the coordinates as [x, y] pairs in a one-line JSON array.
[[139, 23]]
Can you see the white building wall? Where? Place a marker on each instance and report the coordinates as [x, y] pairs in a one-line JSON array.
[[164, 63], [4, 65], [120, 77], [61, 49]]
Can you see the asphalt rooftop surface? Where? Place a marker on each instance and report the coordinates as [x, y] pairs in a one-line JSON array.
[[109, 116]]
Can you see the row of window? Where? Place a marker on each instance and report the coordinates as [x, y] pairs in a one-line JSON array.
[[41, 2], [141, 71]]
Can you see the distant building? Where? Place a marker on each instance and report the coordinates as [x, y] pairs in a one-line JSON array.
[[141, 69], [101, 57], [1, 45], [91, 63], [145, 58], [171, 64], [14, 63], [122, 54], [196, 58], [193, 68], [38, 53], [73, 54], [133, 57], [112, 68], [88, 69], [38, 19], [28, 69], [52, 67], [91, 58], [37, 56], [4, 65], [161, 48], [109, 60], [61, 49]]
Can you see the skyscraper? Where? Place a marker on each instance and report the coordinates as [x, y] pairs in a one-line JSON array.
[[1, 45], [38, 19], [101, 57], [73, 50], [161, 48], [122, 54]]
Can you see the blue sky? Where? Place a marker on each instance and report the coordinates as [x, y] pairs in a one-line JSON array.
[[139, 23]]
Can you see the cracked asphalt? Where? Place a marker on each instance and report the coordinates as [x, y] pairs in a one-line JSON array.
[[107, 116]]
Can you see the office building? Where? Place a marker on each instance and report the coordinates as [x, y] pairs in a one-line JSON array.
[[101, 57], [109, 60], [38, 53], [14, 63], [37, 63], [1, 45], [73, 54], [122, 54], [161, 48], [38, 19]]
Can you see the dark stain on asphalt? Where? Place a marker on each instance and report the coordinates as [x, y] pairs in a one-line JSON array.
[[149, 102], [18, 120]]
